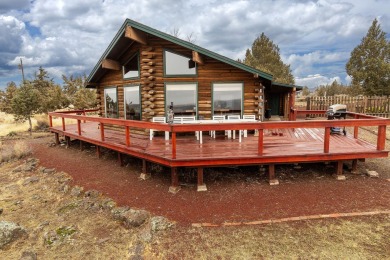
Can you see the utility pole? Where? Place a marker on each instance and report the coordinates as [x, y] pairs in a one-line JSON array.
[[21, 68]]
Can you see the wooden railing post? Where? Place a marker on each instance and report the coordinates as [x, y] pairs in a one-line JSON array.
[[79, 126], [127, 136], [50, 121], [84, 114], [326, 139], [173, 145], [102, 132], [356, 128], [381, 141], [63, 123], [260, 144]]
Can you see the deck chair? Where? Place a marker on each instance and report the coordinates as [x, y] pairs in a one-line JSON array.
[[158, 119], [234, 117], [248, 117], [217, 118], [182, 119]]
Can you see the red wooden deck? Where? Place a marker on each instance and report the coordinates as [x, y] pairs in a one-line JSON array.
[[297, 141]]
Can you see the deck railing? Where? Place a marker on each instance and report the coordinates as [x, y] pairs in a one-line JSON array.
[[357, 120]]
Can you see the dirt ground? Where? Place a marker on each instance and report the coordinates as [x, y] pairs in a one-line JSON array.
[[234, 194], [62, 226]]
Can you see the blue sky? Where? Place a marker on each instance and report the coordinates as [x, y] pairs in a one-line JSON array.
[[69, 36]]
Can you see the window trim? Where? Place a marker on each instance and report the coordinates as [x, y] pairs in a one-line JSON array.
[[228, 82], [181, 83], [177, 75], [139, 70], [132, 85], [117, 100]]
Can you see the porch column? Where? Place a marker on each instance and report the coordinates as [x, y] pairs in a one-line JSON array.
[[174, 188], [271, 173], [67, 139], [57, 138], [291, 103], [98, 152], [201, 185], [339, 171], [145, 174], [354, 167], [120, 159]]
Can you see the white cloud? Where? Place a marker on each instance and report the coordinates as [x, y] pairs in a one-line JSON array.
[[312, 81], [314, 36]]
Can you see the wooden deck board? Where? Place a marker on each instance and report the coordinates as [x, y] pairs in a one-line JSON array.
[[293, 145]]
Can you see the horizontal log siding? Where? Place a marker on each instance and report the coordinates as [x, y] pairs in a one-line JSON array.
[[151, 65]]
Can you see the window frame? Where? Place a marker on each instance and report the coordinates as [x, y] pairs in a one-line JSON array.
[[177, 75], [138, 62], [229, 82], [181, 83], [105, 100], [139, 97]]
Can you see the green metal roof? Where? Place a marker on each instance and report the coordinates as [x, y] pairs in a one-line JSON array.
[[286, 85], [177, 41]]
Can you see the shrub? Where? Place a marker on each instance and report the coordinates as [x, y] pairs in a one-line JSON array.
[[42, 124], [12, 134], [14, 150]]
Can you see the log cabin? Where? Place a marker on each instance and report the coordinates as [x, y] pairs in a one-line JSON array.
[[143, 71]]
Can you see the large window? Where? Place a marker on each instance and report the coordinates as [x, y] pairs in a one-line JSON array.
[[111, 102], [178, 65], [184, 98], [131, 68], [227, 98], [132, 102]]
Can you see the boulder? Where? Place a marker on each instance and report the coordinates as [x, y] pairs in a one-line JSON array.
[[10, 232], [130, 217], [159, 223]]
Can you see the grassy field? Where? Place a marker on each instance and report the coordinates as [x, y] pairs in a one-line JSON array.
[[8, 125], [354, 238]]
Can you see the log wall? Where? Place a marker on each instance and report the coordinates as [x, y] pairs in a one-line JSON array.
[[152, 81]]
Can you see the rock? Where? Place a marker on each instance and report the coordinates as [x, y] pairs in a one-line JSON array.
[[28, 255], [92, 193], [130, 217], [108, 204], [159, 223], [49, 171], [50, 237], [76, 191], [136, 251], [145, 234], [10, 232], [30, 180], [372, 174]]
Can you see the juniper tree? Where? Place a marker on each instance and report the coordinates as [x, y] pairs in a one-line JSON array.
[[369, 64], [264, 55]]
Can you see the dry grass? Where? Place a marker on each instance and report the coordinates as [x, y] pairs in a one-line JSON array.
[[14, 150], [358, 238], [9, 125]]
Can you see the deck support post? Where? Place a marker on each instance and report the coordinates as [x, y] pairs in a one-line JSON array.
[[98, 152], [57, 138], [354, 167], [201, 186], [120, 159], [271, 173], [174, 188], [145, 174], [339, 171], [67, 139]]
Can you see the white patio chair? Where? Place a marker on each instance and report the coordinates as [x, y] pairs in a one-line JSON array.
[[158, 119], [248, 117], [234, 117], [188, 119], [217, 118]]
